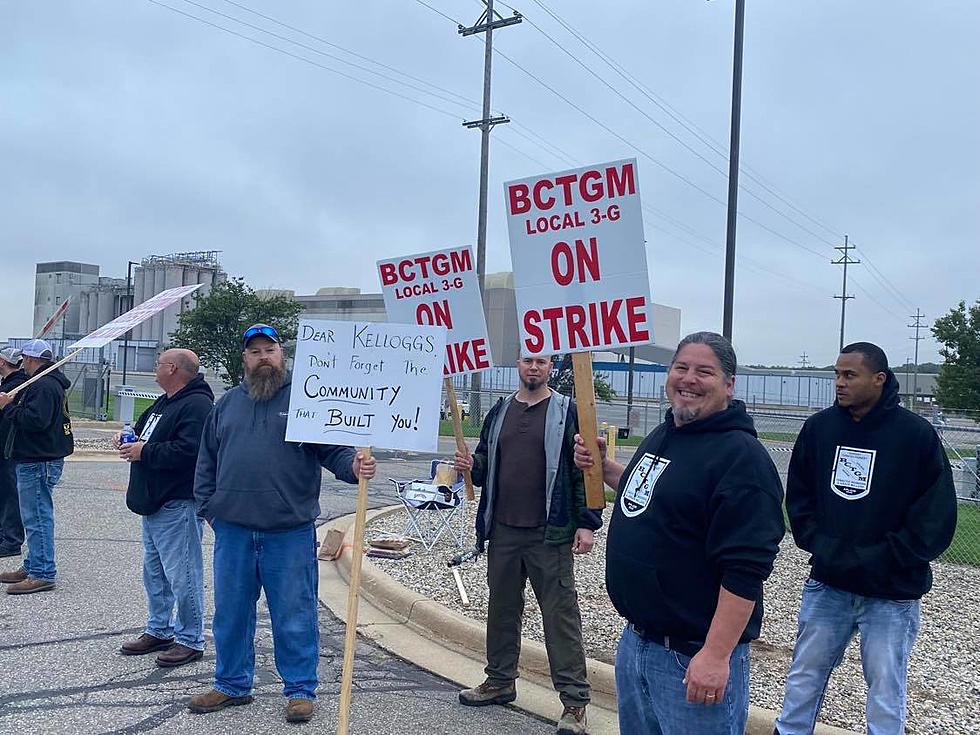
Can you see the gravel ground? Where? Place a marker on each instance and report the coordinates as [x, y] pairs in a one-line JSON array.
[[944, 674]]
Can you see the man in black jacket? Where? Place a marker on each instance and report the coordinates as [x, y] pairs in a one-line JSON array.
[[695, 529], [39, 440], [11, 528], [533, 512], [161, 490], [870, 495]]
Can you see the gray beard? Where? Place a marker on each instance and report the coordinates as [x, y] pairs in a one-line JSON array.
[[265, 381], [686, 415]]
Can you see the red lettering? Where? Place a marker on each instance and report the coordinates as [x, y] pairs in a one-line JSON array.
[[575, 313], [587, 261], [388, 275], [440, 264], [480, 357], [405, 270], [609, 315], [535, 337], [553, 314], [565, 267], [538, 201], [594, 323], [563, 273], [519, 201], [461, 260], [565, 182], [434, 314], [625, 183], [594, 193], [635, 318]]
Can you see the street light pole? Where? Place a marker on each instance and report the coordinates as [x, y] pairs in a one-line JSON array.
[[129, 305], [733, 171]]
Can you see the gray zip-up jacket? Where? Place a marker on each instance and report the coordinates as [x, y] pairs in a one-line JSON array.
[[565, 504], [248, 474]]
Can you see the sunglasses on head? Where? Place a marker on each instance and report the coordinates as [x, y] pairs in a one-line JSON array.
[[263, 329]]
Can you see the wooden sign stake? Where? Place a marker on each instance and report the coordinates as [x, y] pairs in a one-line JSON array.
[[595, 493], [48, 369], [350, 641], [458, 432]]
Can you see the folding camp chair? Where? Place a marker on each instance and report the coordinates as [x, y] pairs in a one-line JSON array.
[[433, 507]]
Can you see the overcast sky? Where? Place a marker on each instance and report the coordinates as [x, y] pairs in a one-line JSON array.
[[128, 129]]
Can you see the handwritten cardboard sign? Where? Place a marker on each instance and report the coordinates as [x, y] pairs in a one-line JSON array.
[[365, 384], [580, 267], [440, 288]]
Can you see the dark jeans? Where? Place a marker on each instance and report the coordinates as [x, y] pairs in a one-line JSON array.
[[11, 528], [517, 555]]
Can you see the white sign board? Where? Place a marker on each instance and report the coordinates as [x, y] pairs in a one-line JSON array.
[[580, 267], [361, 384], [137, 315], [441, 288]]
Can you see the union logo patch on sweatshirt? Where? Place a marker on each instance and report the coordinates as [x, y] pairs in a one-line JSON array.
[[852, 473], [639, 486]]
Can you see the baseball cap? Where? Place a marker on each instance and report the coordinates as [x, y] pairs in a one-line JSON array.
[[11, 355], [38, 348], [260, 330]]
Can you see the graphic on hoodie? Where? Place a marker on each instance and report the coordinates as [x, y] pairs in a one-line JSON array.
[[151, 424], [853, 469], [639, 486]]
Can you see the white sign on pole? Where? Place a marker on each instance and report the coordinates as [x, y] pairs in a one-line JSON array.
[[440, 288], [362, 384], [135, 316], [580, 267]]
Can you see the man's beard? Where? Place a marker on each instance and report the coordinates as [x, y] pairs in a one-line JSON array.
[[532, 384], [686, 415], [264, 381]]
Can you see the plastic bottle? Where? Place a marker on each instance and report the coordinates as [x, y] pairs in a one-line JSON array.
[[128, 435]]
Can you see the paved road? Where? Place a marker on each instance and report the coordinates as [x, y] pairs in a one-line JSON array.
[[61, 672]]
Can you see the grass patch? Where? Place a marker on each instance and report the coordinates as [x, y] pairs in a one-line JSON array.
[[79, 411], [965, 548], [778, 436], [469, 430]]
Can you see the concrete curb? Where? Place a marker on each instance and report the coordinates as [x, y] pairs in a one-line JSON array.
[[442, 626]]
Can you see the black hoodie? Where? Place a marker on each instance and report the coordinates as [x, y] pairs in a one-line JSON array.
[[871, 500], [172, 429], [698, 507], [6, 385], [39, 422]]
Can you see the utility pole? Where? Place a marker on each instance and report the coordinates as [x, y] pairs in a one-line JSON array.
[[129, 305], [803, 360], [915, 368], [733, 141], [845, 260], [486, 23]]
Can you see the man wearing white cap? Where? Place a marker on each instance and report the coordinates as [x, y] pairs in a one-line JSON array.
[[11, 528], [40, 439]]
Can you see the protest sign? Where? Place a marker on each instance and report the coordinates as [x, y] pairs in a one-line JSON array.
[[579, 258], [135, 316], [440, 288], [366, 384], [49, 324]]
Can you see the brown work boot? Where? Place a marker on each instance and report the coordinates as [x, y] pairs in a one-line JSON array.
[[573, 722], [146, 643], [29, 585], [178, 655], [488, 693], [299, 710], [13, 577], [213, 700]]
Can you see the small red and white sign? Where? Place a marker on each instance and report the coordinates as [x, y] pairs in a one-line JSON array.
[[135, 316], [579, 258], [440, 289], [49, 324]]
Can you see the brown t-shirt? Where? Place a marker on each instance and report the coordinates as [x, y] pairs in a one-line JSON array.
[[521, 471]]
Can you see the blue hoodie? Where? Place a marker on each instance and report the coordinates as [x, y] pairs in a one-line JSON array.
[[249, 475]]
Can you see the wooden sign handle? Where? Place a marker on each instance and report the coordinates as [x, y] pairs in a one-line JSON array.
[[350, 641], [595, 493], [458, 433], [35, 378]]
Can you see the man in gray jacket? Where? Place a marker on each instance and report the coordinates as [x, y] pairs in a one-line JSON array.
[[261, 495]]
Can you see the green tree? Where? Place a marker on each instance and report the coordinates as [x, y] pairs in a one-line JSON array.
[[958, 383], [563, 380], [213, 328]]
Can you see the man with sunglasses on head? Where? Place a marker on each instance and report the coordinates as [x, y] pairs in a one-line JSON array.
[[261, 495], [161, 490]]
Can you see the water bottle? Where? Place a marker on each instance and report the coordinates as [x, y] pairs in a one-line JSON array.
[[128, 436]]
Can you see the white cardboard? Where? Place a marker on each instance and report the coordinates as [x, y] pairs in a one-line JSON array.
[[137, 315]]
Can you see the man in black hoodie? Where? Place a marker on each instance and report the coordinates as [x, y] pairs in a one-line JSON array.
[[695, 529], [161, 490], [870, 495], [39, 439], [11, 527]]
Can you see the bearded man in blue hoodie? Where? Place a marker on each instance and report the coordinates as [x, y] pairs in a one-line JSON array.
[[695, 528], [870, 495], [261, 495]]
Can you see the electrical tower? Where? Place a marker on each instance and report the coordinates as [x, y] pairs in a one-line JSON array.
[[486, 23], [845, 261], [915, 367], [803, 360]]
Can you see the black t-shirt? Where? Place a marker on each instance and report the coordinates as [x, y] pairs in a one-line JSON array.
[[521, 475]]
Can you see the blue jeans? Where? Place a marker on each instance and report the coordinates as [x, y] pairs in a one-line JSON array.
[[35, 483], [173, 572], [283, 563], [829, 618], [652, 694]]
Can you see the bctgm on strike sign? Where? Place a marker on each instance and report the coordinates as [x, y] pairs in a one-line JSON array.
[[580, 267], [363, 384], [440, 288]]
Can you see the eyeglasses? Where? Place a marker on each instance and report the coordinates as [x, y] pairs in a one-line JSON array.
[[164, 362], [263, 329]]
